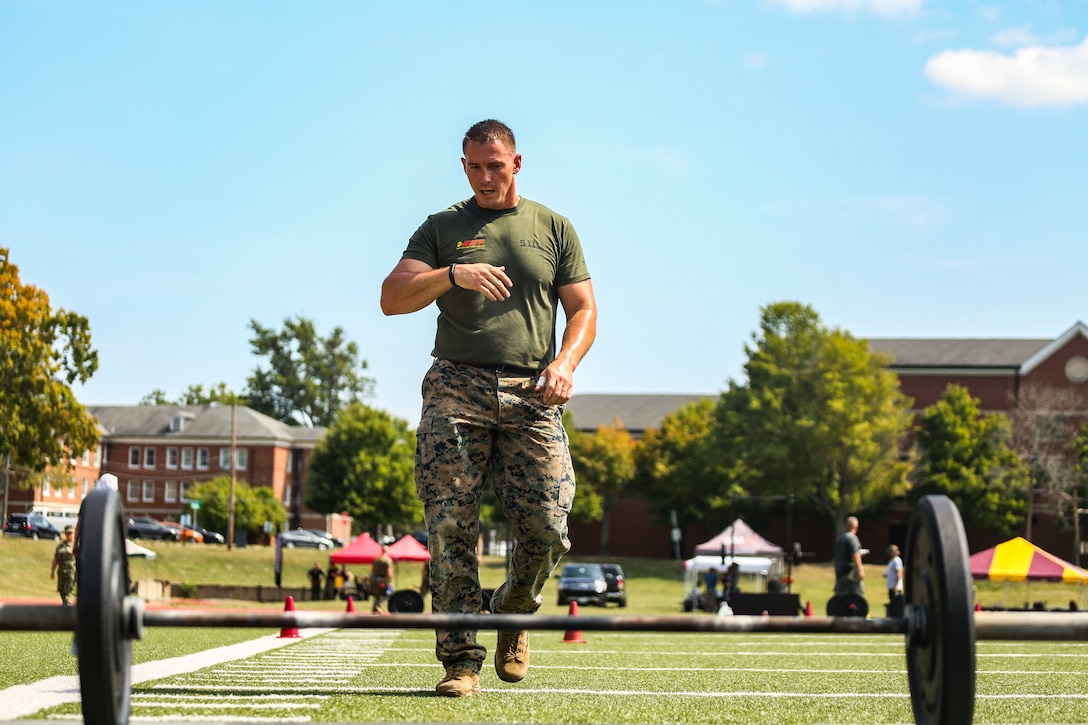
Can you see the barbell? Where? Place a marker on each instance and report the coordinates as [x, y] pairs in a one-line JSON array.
[[940, 622]]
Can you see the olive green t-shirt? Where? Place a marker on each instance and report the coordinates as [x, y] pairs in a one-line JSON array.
[[540, 251]]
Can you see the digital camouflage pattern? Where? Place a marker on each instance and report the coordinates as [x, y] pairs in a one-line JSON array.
[[66, 571], [478, 425]]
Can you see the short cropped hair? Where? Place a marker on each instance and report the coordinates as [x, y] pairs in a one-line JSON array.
[[489, 130]]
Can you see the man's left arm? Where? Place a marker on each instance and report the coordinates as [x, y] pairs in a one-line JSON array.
[[580, 309]]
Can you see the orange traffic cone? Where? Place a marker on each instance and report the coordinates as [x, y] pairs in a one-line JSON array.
[[291, 632], [808, 608], [574, 635], [351, 605]]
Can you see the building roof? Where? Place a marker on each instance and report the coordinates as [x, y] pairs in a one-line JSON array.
[[931, 352], [198, 422], [1021, 354], [636, 412]]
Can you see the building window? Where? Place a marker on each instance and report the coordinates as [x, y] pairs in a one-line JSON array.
[[290, 464], [133, 457], [202, 459], [72, 490], [183, 486], [149, 490], [97, 456], [170, 495], [149, 457], [47, 487], [241, 457], [86, 458], [187, 458], [133, 491], [224, 458], [287, 495], [171, 457], [85, 485]]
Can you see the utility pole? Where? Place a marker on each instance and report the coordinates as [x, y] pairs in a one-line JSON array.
[[233, 443], [7, 472]]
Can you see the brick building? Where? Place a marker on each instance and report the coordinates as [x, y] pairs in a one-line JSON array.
[[1001, 373], [158, 451]]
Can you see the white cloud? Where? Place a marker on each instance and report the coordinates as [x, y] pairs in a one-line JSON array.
[[1025, 36], [1031, 77], [889, 8]]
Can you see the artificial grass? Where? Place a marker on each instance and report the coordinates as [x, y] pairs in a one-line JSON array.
[[617, 677]]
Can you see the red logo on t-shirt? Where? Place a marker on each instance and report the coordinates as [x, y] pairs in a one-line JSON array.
[[470, 243]]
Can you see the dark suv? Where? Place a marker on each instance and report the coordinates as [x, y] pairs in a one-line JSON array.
[[583, 583], [145, 527], [34, 526], [613, 577]]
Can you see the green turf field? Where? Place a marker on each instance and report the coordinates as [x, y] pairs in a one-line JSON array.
[[615, 677]]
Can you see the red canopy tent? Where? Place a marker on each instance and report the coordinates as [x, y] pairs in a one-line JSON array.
[[1020, 560], [406, 548], [362, 550]]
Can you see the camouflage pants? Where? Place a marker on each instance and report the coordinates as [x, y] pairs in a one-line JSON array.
[[66, 584], [479, 426]]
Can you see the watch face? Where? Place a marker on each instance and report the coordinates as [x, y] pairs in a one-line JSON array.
[[1077, 369]]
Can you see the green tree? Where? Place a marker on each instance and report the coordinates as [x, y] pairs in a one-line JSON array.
[[820, 416], [253, 506], [218, 394], [365, 465], [966, 456], [309, 378], [604, 464], [676, 467], [42, 353]]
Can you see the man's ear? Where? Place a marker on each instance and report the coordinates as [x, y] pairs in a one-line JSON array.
[[517, 163]]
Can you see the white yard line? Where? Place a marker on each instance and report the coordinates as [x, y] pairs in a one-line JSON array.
[[22, 700]]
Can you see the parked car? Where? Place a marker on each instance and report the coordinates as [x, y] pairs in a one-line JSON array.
[[583, 583], [613, 577], [33, 526], [145, 527], [211, 537], [184, 532], [304, 539], [335, 542]]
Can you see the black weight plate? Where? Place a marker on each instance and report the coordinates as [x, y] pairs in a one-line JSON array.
[[406, 601], [940, 605], [847, 605], [102, 639]]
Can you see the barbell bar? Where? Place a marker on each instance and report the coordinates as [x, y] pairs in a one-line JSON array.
[[1008, 626], [940, 622]]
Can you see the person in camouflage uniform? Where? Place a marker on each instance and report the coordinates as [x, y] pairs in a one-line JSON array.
[[499, 267], [63, 568]]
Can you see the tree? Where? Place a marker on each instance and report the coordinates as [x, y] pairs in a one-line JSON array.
[[966, 456], [604, 464], [42, 425], [365, 465], [676, 469], [218, 394], [1042, 433], [309, 378], [820, 416], [253, 506]]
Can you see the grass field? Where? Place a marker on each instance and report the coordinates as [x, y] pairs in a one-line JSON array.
[[383, 675], [389, 676]]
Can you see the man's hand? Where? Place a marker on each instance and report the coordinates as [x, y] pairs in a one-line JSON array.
[[557, 384], [488, 280]]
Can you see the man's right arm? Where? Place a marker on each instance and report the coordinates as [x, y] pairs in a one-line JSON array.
[[412, 285]]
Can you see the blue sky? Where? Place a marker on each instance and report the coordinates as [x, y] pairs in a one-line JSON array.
[[908, 168]]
